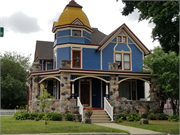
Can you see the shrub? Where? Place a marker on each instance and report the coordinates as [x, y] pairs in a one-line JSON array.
[[174, 118], [56, 116], [40, 115], [162, 116], [123, 115], [69, 117], [133, 117], [32, 116], [21, 115], [152, 116], [119, 120]]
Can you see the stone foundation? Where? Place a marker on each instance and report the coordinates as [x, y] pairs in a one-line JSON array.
[[134, 106]]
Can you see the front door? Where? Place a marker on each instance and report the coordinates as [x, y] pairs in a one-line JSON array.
[[85, 94]]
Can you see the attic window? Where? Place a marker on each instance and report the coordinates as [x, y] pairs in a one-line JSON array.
[[119, 39], [76, 33], [124, 39]]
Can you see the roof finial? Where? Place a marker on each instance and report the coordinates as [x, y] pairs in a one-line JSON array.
[[72, 1]]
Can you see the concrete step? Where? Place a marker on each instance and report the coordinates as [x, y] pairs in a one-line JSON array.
[[100, 120], [99, 116]]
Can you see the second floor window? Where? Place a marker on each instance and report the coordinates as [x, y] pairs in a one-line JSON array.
[[126, 62], [76, 59], [49, 65], [118, 60], [123, 60], [76, 33]]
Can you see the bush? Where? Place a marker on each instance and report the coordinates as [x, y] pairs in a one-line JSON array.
[[123, 115], [56, 116], [133, 117], [152, 116], [32, 116], [40, 115], [174, 118], [119, 120], [162, 116], [21, 115], [69, 117]]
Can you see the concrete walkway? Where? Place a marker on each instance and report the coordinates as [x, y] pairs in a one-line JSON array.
[[132, 130]]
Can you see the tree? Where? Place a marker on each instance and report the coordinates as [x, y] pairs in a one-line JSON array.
[[14, 72], [164, 68], [165, 16], [44, 98]]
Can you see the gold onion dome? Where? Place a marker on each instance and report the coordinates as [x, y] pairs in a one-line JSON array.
[[71, 12]]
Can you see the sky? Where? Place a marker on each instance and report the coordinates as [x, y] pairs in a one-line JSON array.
[[26, 21]]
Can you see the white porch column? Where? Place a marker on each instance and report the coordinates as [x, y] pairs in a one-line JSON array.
[[73, 90], [107, 93]]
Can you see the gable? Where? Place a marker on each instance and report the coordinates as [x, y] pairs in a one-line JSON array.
[[123, 30]]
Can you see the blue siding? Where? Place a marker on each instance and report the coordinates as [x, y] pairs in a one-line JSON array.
[[87, 35], [63, 33], [136, 58], [114, 40], [80, 40], [91, 59], [63, 54], [129, 41], [107, 55], [121, 47]]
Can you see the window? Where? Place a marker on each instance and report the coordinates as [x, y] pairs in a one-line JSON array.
[[126, 61], [76, 33], [49, 65], [76, 59], [124, 39], [123, 60], [50, 87], [118, 60], [119, 39]]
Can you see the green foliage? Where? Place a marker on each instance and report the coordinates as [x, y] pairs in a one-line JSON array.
[[37, 119], [49, 115], [56, 116], [21, 115], [165, 16], [14, 72], [133, 117], [174, 118], [123, 115], [119, 120], [164, 68], [32, 116], [40, 115], [152, 116], [162, 116], [69, 117]]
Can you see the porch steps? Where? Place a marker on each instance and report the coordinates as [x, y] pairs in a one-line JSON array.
[[100, 116]]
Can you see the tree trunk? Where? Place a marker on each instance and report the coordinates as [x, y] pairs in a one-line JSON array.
[[173, 107]]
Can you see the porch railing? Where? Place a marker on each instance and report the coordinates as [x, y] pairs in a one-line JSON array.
[[80, 107], [108, 108]]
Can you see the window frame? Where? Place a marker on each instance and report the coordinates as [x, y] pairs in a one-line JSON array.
[[76, 59], [47, 64], [125, 39], [75, 35], [127, 61], [121, 60], [120, 39]]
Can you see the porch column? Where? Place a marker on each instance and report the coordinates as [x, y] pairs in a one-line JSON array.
[[107, 93], [72, 90]]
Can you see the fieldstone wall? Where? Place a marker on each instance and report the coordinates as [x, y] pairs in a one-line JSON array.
[[54, 106], [113, 90], [128, 106], [65, 87]]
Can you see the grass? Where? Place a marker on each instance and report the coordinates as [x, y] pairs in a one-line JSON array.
[[163, 126], [11, 126]]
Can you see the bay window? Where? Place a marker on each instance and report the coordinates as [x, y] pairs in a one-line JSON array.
[[76, 59]]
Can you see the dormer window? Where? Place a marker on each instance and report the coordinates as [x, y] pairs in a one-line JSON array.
[[119, 39], [76, 33]]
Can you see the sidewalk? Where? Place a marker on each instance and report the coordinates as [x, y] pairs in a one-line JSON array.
[[132, 130]]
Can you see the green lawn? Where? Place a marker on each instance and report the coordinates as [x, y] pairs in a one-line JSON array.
[[159, 126], [11, 126]]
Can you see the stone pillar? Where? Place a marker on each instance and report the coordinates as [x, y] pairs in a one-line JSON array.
[[114, 93], [72, 90], [65, 93]]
